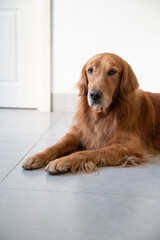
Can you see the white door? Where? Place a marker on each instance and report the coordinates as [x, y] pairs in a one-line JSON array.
[[25, 54]]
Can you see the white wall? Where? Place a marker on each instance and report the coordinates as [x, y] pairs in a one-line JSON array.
[[129, 28]]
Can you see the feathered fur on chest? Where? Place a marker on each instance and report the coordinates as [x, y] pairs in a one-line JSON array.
[[95, 128]]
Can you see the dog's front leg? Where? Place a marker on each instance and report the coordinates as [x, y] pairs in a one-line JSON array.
[[68, 143], [88, 161]]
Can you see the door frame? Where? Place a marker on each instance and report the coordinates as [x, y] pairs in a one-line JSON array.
[[43, 82]]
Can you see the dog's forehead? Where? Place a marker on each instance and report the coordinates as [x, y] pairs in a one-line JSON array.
[[104, 60]]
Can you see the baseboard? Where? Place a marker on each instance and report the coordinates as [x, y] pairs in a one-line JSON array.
[[63, 102]]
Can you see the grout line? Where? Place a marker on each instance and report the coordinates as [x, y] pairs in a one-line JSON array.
[[82, 192], [32, 148]]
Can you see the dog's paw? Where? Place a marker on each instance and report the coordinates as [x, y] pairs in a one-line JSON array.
[[36, 161], [57, 166]]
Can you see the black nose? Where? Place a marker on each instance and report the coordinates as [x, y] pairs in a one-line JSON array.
[[95, 95]]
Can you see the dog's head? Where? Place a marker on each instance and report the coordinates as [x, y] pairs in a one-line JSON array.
[[104, 77]]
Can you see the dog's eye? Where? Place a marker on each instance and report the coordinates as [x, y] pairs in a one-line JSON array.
[[111, 72], [90, 71]]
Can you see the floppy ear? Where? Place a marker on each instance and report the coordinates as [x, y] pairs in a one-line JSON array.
[[83, 83], [129, 82]]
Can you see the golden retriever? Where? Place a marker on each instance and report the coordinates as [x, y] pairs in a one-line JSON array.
[[116, 122]]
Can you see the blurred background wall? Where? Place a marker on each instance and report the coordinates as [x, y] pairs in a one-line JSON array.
[[81, 29]]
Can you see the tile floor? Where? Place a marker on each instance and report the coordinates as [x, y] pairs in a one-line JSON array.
[[118, 203]]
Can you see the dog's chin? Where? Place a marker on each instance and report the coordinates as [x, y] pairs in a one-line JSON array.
[[97, 106], [99, 109]]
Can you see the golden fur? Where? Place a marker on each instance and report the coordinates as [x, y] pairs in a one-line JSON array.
[[120, 130]]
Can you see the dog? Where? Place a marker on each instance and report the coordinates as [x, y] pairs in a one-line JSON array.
[[116, 123]]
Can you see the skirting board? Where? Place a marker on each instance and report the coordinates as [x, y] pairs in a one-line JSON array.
[[63, 102]]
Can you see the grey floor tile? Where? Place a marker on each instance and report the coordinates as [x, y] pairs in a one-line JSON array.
[[51, 215], [60, 128], [110, 180], [118, 203], [142, 181], [19, 131]]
